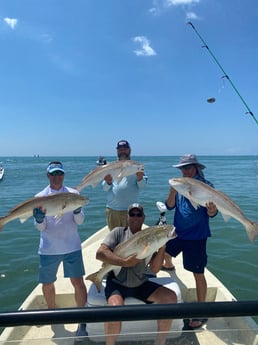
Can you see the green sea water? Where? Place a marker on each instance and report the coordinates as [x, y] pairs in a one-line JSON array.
[[231, 257]]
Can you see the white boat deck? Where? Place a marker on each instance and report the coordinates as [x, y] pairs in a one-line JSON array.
[[218, 331]]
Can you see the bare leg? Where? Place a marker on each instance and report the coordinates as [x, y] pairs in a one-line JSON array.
[[49, 294], [80, 291], [80, 294], [162, 296], [201, 286], [113, 329], [201, 290], [168, 261], [163, 330]]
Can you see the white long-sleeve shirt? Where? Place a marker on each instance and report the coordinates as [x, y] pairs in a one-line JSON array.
[[59, 236]]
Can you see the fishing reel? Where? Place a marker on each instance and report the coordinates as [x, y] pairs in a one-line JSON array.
[[162, 209]]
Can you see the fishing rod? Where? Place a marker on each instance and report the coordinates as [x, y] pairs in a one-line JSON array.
[[225, 74]]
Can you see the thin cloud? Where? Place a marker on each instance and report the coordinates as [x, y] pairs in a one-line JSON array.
[[146, 49], [12, 22], [156, 9], [191, 15], [160, 6], [46, 38], [181, 2]]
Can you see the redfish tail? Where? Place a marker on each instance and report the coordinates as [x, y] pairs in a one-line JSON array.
[[79, 188], [2, 223], [94, 278]]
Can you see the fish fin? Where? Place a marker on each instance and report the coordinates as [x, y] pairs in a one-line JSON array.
[[94, 185], [94, 278], [23, 220], [194, 204], [226, 217], [121, 175], [58, 217], [117, 270]]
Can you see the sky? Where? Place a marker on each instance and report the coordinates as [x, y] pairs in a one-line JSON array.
[[77, 76]]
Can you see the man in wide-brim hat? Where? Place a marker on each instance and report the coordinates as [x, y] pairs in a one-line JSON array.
[[192, 228]]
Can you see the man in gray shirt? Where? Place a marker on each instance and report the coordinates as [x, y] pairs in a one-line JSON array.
[[131, 281]]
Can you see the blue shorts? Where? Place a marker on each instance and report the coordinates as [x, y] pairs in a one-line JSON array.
[[141, 292], [72, 265], [194, 253]]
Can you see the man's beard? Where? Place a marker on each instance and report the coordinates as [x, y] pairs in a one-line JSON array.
[[123, 156]]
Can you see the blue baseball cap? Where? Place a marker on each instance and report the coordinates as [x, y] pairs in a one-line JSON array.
[[123, 143], [55, 166]]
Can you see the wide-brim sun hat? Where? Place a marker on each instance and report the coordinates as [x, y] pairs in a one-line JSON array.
[[187, 160]]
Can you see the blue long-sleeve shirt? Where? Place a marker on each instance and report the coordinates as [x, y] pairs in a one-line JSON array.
[[124, 193], [191, 223]]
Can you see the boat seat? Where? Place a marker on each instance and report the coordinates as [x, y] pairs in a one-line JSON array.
[[98, 299]]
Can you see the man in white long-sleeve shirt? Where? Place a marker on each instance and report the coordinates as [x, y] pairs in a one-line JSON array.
[[60, 242]]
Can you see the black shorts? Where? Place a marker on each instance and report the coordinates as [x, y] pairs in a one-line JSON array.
[[141, 292], [194, 253]]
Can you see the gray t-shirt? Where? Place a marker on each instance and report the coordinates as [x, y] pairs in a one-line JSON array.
[[127, 276]]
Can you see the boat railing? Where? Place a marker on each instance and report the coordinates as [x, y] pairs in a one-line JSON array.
[[129, 313]]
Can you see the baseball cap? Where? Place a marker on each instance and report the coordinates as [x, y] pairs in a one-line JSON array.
[[135, 206], [55, 166], [123, 143]]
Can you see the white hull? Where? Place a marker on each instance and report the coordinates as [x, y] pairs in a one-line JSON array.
[[218, 331], [1, 173]]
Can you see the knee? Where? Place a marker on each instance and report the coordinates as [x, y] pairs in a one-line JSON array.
[[115, 300], [169, 297], [78, 282]]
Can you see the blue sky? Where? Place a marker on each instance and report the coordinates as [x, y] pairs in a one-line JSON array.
[[77, 76]]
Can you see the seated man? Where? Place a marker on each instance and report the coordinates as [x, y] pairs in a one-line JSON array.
[[131, 281]]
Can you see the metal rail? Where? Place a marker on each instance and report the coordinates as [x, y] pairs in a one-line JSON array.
[[128, 313]]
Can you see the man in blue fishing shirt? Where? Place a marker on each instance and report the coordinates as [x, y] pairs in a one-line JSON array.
[[122, 194], [192, 228]]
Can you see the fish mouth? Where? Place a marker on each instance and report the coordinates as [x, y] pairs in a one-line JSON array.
[[172, 233]]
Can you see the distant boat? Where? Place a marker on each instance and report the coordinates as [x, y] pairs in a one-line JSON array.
[[1, 172], [101, 161]]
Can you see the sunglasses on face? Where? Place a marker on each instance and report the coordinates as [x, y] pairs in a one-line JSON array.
[[132, 214], [186, 167], [56, 173]]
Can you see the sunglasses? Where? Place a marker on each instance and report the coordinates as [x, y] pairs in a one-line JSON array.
[[56, 173], [139, 215], [186, 167]]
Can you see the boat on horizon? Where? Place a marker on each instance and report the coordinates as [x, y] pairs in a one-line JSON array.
[[2, 171], [225, 329], [101, 161]]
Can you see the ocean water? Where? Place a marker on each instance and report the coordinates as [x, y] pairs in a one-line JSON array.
[[231, 257]]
